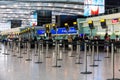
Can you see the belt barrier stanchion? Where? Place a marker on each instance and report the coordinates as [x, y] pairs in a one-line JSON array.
[[98, 56], [25, 48], [39, 55], [7, 49], [56, 46], [107, 48], [60, 56], [0, 46], [8, 46], [4, 49], [47, 54], [64, 51], [20, 54], [14, 49], [59, 53], [56, 57], [79, 53], [11, 45], [93, 56], [28, 52], [85, 57], [71, 54], [35, 50], [113, 63], [17, 46], [89, 50], [42, 47]]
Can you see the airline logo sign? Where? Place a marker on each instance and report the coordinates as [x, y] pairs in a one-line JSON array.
[[114, 21]]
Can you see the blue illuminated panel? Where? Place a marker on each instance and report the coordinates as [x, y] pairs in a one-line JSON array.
[[40, 32], [60, 31]]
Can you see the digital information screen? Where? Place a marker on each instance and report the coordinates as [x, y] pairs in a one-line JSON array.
[[33, 21], [94, 7], [72, 30]]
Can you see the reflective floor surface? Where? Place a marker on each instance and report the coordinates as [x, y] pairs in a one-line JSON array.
[[14, 68]]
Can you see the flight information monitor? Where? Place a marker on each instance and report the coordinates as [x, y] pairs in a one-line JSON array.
[[93, 7]]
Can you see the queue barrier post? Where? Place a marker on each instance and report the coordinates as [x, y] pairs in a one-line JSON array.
[[85, 57], [113, 63]]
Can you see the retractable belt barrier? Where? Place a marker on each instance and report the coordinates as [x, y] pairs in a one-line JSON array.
[[71, 43], [86, 43]]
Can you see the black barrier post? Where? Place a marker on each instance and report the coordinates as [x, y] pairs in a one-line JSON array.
[[98, 56], [20, 55], [85, 57], [56, 55], [113, 63], [78, 52], [28, 52], [39, 55], [93, 56]]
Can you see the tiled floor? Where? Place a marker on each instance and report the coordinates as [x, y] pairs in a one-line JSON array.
[[13, 68]]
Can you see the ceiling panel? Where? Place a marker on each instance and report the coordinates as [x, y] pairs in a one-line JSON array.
[[22, 9]]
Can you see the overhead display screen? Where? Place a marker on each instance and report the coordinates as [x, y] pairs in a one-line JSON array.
[[72, 30], [40, 32], [64, 31], [44, 17], [93, 7], [62, 19], [33, 21], [16, 23]]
